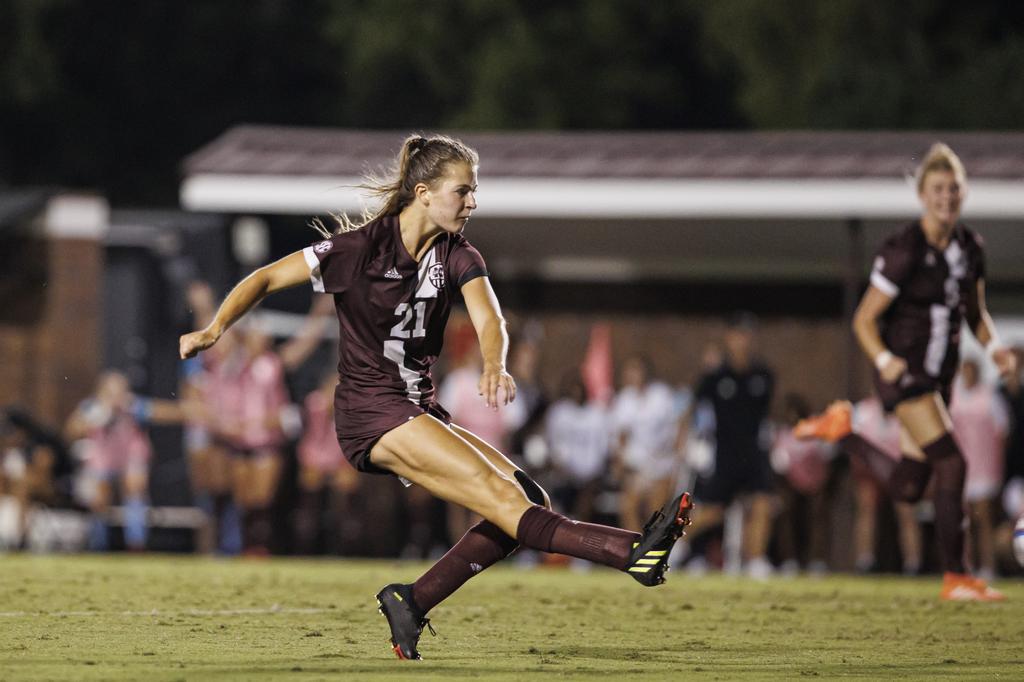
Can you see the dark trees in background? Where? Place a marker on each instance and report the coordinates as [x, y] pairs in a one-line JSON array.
[[111, 94]]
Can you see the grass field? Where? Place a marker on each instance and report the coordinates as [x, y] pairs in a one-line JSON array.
[[166, 618]]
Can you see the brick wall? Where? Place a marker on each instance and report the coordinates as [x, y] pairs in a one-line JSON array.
[[808, 356], [50, 362]]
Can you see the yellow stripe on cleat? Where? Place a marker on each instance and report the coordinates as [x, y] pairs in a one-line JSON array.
[[398, 596], [635, 545], [650, 562], [661, 552], [640, 569]]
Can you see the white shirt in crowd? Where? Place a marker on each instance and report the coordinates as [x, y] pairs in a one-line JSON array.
[[649, 421], [579, 437]]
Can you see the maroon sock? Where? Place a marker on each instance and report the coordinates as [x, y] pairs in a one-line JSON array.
[[881, 464], [950, 472], [483, 545], [540, 528]]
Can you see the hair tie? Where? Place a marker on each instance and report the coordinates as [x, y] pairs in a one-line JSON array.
[[417, 145]]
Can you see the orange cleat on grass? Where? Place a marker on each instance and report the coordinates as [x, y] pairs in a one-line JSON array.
[[831, 425], [961, 587], [990, 593]]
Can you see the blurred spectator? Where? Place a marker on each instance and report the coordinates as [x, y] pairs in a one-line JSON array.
[[871, 421], [115, 450], [646, 424], [251, 397], [697, 427], [209, 460], [1013, 490], [579, 439], [737, 396], [1013, 483], [34, 468], [208, 450], [980, 423], [243, 419], [324, 474], [525, 415], [460, 395], [804, 466]]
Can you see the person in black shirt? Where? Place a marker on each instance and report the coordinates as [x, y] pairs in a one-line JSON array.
[[738, 393]]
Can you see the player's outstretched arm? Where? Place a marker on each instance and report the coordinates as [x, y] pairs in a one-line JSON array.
[[865, 327], [290, 271], [984, 330], [485, 313]]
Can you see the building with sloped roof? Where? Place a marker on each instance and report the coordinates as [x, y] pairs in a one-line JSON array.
[[690, 223]]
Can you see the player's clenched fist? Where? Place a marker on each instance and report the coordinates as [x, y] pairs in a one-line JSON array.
[[192, 343], [892, 369]]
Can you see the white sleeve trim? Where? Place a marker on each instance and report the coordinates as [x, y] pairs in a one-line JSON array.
[[880, 282], [315, 277]]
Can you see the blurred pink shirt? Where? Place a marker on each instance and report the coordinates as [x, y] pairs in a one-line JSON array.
[[318, 449], [251, 397], [980, 424], [117, 447], [460, 396], [806, 461], [871, 422]]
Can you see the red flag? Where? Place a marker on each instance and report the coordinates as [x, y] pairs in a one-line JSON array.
[[597, 364]]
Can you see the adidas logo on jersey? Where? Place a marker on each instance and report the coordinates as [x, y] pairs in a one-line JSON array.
[[392, 274]]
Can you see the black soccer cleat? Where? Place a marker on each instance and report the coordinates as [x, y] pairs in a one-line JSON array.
[[648, 561], [395, 603]]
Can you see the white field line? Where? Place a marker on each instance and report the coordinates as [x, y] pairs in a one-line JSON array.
[[157, 612]]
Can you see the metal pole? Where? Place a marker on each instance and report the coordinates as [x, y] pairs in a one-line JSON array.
[[851, 294]]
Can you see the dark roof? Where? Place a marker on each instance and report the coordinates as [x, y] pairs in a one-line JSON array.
[[341, 152]]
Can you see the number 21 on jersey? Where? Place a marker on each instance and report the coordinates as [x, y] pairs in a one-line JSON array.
[[407, 313]]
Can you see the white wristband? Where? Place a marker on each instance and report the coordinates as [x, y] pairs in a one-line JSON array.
[[882, 359]]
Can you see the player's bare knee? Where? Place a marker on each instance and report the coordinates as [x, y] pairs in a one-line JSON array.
[[503, 495]]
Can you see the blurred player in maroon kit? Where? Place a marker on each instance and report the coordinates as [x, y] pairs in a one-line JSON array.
[[927, 278], [393, 279]]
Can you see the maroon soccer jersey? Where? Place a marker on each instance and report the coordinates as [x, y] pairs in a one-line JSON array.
[[392, 313], [930, 288]]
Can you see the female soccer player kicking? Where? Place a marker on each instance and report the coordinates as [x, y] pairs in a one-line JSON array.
[[393, 278]]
